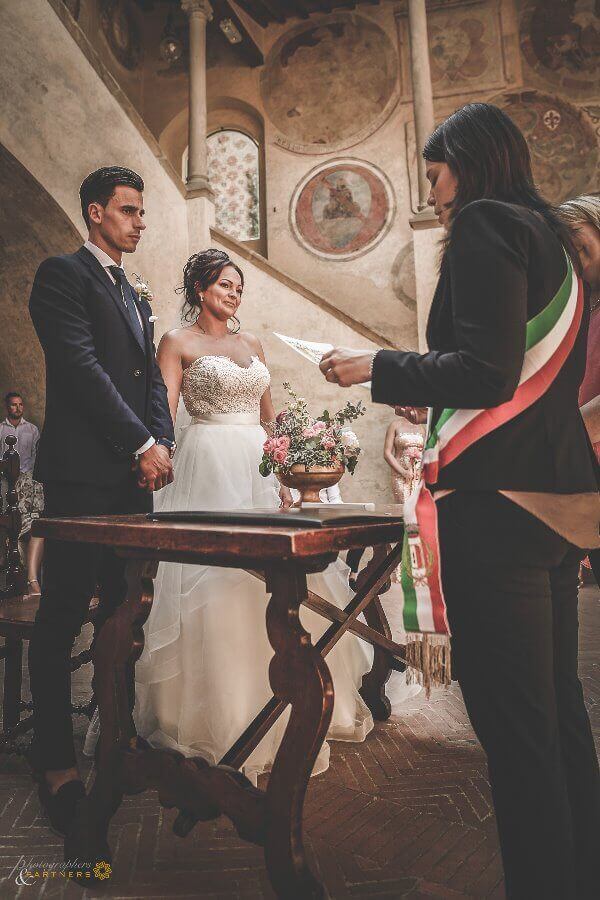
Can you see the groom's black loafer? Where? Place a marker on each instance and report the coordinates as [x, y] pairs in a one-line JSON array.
[[62, 806]]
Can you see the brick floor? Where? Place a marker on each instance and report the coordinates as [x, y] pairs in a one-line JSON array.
[[406, 814]]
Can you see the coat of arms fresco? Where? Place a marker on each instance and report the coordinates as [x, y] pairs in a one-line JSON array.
[[342, 209]]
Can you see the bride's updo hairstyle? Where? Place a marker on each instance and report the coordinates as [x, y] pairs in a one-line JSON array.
[[200, 271], [489, 157]]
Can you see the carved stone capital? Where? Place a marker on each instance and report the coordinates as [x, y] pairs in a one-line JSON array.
[[198, 7], [424, 219]]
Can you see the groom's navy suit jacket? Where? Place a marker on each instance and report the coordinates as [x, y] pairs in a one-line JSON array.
[[105, 395]]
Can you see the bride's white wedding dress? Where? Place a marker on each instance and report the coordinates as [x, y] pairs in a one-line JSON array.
[[203, 674]]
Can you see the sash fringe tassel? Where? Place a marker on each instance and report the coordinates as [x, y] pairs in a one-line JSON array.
[[428, 660]]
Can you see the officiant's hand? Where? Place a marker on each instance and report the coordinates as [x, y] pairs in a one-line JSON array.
[[415, 414], [346, 367], [155, 469]]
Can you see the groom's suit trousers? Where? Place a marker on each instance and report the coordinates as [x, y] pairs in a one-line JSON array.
[[71, 574], [511, 588]]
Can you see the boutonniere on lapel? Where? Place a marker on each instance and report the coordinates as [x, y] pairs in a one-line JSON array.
[[142, 288]]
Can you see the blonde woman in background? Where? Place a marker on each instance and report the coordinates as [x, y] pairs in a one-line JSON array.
[[402, 451]]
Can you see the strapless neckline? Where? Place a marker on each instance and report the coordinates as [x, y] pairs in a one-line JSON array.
[[198, 359]]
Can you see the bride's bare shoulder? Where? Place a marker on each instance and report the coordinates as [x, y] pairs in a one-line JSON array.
[[251, 341], [176, 339]]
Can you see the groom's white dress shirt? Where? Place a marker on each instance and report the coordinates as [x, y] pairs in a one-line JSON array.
[[105, 261]]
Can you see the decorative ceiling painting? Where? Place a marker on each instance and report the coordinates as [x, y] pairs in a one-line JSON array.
[[562, 140], [342, 209], [328, 85], [121, 32], [560, 40], [465, 48]]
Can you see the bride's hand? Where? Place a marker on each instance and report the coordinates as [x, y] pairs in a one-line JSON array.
[[285, 496]]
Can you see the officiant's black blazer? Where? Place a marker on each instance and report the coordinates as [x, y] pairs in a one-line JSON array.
[[502, 266], [105, 395]]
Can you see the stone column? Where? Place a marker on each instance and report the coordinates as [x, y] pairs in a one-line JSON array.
[[201, 210], [426, 229]]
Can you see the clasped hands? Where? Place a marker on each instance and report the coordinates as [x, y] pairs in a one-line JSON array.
[[154, 468], [347, 367]]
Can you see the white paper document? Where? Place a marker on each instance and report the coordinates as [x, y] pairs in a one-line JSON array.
[[311, 350]]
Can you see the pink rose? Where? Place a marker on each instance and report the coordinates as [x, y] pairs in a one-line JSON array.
[[413, 452], [283, 442], [268, 446], [328, 441], [314, 430], [279, 456]]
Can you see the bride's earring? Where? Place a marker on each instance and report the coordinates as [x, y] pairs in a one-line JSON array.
[[236, 325]]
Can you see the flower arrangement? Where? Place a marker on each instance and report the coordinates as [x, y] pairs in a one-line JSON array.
[[299, 439]]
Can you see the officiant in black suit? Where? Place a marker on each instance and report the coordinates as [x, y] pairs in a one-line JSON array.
[[106, 444], [519, 506]]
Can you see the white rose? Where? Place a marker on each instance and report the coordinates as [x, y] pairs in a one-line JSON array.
[[350, 441]]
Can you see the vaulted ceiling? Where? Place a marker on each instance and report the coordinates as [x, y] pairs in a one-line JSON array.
[[266, 11]]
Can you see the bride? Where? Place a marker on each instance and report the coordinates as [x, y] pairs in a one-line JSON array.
[[203, 674]]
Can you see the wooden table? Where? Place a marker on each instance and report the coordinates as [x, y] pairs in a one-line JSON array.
[[298, 675]]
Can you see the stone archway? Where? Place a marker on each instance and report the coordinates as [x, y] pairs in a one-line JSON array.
[[32, 227]]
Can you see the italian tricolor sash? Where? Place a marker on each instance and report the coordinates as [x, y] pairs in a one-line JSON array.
[[550, 337]]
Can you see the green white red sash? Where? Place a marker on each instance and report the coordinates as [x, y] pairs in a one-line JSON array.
[[550, 337]]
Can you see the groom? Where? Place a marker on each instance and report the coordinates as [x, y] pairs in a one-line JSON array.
[[106, 444]]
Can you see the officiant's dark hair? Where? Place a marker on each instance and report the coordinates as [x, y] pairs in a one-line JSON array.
[[202, 269], [100, 185], [489, 157]]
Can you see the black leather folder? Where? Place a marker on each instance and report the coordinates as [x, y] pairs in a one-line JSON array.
[[278, 518]]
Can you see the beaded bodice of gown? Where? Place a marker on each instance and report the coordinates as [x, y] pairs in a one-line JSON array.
[[217, 384]]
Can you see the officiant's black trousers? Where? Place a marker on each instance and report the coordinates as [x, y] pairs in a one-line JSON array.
[[72, 571], [511, 590]]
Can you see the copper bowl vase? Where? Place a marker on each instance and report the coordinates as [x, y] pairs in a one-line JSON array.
[[310, 482]]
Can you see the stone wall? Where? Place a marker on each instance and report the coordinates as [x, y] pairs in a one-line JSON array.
[[32, 227], [60, 120]]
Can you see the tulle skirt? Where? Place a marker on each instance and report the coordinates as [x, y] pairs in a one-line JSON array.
[[203, 674]]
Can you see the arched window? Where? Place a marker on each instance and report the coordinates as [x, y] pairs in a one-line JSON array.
[[234, 175]]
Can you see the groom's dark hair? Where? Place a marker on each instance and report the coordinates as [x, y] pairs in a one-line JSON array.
[[100, 186]]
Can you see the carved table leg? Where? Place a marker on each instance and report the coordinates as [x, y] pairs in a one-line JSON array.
[[118, 646], [373, 684], [299, 675]]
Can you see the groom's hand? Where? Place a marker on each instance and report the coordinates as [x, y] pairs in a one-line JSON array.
[[346, 367], [155, 469]]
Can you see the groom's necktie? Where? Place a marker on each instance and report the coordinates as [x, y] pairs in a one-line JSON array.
[[126, 295]]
